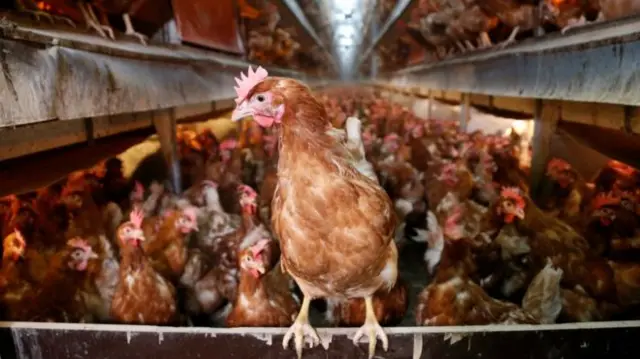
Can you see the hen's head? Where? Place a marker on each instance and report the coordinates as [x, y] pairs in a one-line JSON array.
[[448, 174], [267, 98], [258, 98], [187, 221], [81, 253], [13, 246], [511, 205], [560, 171], [452, 228], [247, 199], [253, 259], [604, 208], [131, 232]]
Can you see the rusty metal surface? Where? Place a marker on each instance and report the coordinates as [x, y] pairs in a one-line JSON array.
[[61, 75], [596, 64], [588, 341], [211, 24]]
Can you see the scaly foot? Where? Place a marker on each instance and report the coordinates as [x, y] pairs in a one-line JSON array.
[[301, 330], [130, 31], [373, 331]]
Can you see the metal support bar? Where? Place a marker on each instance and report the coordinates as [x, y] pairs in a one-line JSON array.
[[465, 112], [546, 120], [165, 125]]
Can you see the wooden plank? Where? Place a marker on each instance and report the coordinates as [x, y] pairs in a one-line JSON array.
[[546, 119], [165, 125], [465, 112], [52, 74], [41, 137]]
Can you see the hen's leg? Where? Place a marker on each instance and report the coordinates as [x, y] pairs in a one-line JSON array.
[[512, 37], [91, 22], [372, 329], [485, 40], [301, 329], [105, 22], [131, 31]]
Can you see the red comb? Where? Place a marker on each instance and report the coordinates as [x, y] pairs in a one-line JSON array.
[[136, 217], [453, 218], [249, 81], [558, 165], [190, 212], [257, 248], [229, 144], [605, 199], [79, 243], [513, 193], [392, 137], [244, 189]]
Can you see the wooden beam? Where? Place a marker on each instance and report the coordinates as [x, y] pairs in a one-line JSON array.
[[547, 115], [165, 125], [465, 112]]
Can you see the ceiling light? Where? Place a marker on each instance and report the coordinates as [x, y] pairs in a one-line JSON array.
[[345, 41]]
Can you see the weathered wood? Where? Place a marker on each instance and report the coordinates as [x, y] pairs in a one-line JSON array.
[[165, 125], [430, 106], [54, 74], [465, 112], [582, 341], [546, 119], [590, 64], [42, 169]]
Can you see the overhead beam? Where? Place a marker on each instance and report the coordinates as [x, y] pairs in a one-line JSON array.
[[610, 116], [395, 15], [61, 75], [297, 12], [592, 64]]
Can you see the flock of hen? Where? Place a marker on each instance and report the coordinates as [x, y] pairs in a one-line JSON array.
[[97, 247], [450, 27], [267, 39]]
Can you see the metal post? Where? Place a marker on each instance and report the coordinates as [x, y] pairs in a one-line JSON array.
[[465, 112], [546, 118], [166, 129]]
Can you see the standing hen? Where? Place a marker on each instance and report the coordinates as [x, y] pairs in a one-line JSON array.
[[335, 225]]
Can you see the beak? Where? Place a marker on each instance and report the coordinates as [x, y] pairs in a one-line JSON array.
[[260, 269], [139, 235], [194, 227], [519, 212], [93, 255], [242, 110]]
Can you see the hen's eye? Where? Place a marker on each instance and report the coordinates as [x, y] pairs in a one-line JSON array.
[[260, 98], [127, 230]]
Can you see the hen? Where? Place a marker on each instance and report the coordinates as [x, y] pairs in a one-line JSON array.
[[336, 226], [142, 296], [264, 297]]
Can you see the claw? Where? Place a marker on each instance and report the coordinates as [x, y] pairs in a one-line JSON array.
[[301, 330], [108, 31], [372, 329], [373, 332]]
